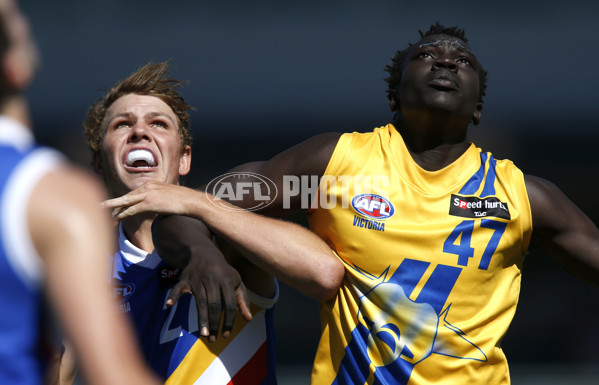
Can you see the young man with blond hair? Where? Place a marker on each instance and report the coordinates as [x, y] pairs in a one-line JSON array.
[[139, 134]]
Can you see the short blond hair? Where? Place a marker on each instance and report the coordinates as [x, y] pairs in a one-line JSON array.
[[151, 79]]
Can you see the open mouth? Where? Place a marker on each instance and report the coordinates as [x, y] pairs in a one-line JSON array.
[[140, 159]]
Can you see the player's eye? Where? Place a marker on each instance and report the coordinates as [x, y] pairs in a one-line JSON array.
[[464, 60], [159, 123], [122, 124]]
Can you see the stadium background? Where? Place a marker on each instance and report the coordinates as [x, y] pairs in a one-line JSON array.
[[265, 75]]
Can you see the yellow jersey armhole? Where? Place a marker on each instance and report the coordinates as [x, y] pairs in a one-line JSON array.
[[339, 154]]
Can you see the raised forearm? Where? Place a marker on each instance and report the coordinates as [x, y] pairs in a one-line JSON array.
[[186, 243], [175, 236], [288, 251]]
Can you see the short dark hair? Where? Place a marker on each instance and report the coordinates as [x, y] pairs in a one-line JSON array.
[[398, 60], [4, 46], [4, 42]]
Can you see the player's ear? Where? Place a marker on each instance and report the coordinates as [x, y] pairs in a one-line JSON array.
[[97, 163], [185, 161], [17, 72], [392, 97], [478, 111]]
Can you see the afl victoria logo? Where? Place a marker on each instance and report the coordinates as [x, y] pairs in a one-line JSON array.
[[373, 206], [123, 291]]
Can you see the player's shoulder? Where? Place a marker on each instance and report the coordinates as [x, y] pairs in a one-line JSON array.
[[549, 205], [70, 181], [66, 195], [383, 133], [321, 142], [542, 193], [309, 157]]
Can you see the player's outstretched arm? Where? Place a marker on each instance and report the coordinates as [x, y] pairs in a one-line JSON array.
[[186, 243], [562, 229], [74, 237], [288, 251]]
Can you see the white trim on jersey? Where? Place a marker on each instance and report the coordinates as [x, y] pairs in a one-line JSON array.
[[15, 134], [20, 251], [136, 255], [234, 357]]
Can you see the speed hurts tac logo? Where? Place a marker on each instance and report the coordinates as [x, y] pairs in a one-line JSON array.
[[474, 207], [167, 276], [371, 210]]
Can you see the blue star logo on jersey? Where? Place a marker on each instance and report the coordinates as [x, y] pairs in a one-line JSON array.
[[394, 332]]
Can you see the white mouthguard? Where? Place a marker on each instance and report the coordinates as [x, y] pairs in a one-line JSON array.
[[141, 155]]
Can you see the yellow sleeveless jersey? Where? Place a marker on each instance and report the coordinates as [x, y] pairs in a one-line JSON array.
[[433, 264]]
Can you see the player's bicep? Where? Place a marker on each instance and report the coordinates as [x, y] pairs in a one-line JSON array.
[[282, 175], [562, 229], [554, 215]]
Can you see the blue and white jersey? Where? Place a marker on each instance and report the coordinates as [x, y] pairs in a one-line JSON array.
[[142, 282], [170, 337], [22, 165]]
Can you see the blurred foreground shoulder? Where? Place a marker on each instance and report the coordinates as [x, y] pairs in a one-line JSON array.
[[67, 201]]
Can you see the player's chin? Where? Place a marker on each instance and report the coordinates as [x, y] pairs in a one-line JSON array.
[[139, 179]]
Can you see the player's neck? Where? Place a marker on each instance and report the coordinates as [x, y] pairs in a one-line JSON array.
[[433, 146], [138, 230], [437, 158], [17, 108]]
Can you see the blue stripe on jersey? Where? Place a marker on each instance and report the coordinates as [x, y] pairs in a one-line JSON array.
[[489, 188], [439, 285], [182, 347], [473, 184], [408, 274], [397, 372], [271, 377], [354, 366]]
